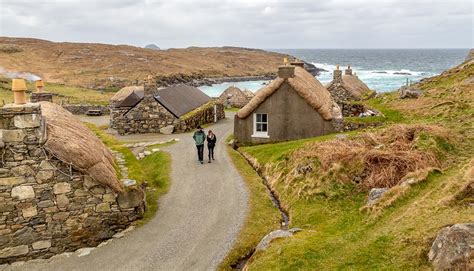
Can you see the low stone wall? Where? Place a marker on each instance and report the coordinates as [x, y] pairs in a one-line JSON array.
[[203, 115], [351, 109], [81, 109], [38, 97], [46, 206]]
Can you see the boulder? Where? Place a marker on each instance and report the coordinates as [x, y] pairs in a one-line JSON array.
[[131, 198], [167, 130], [375, 194], [453, 247]]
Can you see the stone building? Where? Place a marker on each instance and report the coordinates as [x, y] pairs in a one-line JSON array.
[[294, 105], [150, 109], [40, 94], [58, 187], [234, 97], [347, 87]]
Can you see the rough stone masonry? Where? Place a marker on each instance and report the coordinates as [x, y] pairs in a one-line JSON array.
[[47, 206]]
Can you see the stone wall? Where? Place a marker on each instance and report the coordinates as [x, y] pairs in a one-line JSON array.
[[41, 96], [351, 109], [149, 117], [81, 109], [201, 116], [46, 206]]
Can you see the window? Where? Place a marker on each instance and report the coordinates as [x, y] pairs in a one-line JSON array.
[[260, 125]]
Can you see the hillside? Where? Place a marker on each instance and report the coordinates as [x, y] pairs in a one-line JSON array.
[[100, 66], [423, 153]]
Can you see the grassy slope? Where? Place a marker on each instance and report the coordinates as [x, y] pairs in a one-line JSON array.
[[61, 92], [154, 169], [98, 65], [338, 235]]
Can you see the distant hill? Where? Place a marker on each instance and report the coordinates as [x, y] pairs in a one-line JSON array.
[[152, 46], [101, 66]]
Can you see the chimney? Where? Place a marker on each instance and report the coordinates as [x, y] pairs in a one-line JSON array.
[[348, 71], [286, 72], [39, 86], [337, 75], [298, 63], [19, 88], [150, 86]]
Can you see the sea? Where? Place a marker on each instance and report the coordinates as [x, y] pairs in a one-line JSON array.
[[381, 69]]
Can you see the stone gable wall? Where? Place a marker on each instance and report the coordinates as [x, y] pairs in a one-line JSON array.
[[46, 206], [149, 117], [340, 94]]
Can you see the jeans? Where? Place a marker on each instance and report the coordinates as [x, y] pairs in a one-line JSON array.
[[200, 149], [211, 152]]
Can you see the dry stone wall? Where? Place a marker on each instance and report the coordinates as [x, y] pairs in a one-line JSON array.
[[149, 116], [81, 109], [46, 206]]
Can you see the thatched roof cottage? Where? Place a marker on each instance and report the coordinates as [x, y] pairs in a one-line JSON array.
[[234, 97], [149, 109], [294, 105], [347, 87], [58, 182]]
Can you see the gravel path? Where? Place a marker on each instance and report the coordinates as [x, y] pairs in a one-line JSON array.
[[195, 225]]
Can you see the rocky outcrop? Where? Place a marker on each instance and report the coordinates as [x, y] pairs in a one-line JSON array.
[[375, 194], [453, 248]]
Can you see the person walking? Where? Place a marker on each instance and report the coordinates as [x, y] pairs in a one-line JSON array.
[[199, 138], [211, 143]]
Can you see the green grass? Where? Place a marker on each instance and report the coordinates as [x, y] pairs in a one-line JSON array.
[[232, 109], [67, 94], [338, 236], [262, 216], [154, 169]]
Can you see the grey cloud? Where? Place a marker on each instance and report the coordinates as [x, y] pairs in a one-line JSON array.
[[250, 23]]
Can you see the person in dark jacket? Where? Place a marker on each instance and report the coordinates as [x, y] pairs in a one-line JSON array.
[[211, 143], [199, 138]]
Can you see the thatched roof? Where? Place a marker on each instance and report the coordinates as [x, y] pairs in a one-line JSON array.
[[249, 94], [353, 84], [125, 92], [235, 96], [73, 143], [305, 85]]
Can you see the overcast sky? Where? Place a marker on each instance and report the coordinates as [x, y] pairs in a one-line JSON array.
[[248, 23]]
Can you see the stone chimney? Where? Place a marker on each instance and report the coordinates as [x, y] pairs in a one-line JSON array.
[[150, 87], [39, 95], [348, 71], [298, 63], [337, 75], [286, 72]]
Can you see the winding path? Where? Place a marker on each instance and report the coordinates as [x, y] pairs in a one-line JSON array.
[[195, 226]]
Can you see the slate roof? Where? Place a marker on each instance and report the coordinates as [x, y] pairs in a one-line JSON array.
[[181, 99]]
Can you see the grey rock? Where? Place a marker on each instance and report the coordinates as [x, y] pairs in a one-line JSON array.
[[265, 242], [452, 247], [130, 199], [14, 251], [12, 181], [61, 188], [167, 130], [84, 251], [23, 192], [375, 194], [43, 244], [29, 212], [27, 121]]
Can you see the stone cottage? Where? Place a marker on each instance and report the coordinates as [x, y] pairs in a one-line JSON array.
[[234, 97], [348, 87], [59, 190], [294, 105], [149, 109]]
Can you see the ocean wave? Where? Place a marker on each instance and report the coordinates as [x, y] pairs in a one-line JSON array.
[[373, 73]]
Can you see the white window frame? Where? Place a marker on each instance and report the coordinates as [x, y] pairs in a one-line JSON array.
[[259, 134]]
